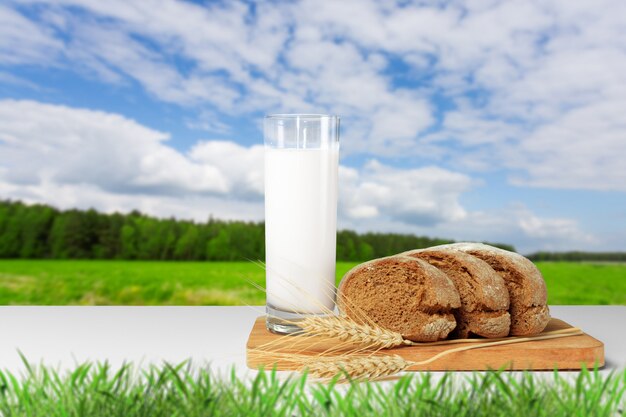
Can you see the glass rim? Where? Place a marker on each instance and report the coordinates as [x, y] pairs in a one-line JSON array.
[[300, 115]]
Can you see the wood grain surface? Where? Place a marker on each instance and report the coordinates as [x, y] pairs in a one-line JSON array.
[[264, 349]]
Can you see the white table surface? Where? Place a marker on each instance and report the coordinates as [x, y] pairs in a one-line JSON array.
[[63, 336]]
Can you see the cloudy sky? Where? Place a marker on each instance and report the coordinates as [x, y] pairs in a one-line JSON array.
[[478, 120]]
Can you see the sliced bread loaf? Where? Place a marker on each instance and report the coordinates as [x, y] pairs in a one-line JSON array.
[[403, 294], [484, 297], [527, 289]]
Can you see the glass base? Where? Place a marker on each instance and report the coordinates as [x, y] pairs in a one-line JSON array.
[[284, 322]]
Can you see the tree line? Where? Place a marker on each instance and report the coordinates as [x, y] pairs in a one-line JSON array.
[[576, 256], [42, 231]]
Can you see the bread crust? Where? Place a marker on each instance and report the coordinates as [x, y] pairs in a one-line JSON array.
[[527, 289], [484, 296], [402, 294]]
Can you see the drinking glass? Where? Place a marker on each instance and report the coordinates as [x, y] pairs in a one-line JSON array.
[[301, 164]]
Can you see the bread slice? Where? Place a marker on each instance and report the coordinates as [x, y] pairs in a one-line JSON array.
[[484, 297], [402, 294], [527, 289]]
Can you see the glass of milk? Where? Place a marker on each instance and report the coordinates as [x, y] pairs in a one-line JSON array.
[[301, 163]]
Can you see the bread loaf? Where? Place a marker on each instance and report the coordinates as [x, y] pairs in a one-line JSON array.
[[471, 288], [526, 286], [403, 294], [484, 296]]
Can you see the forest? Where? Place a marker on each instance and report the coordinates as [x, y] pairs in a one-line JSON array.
[[42, 231], [577, 256]]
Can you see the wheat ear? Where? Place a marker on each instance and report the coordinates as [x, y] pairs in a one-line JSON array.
[[347, 330], [357, 367]]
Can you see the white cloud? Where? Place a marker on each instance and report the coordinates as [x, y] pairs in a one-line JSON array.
[[25, 42], [529, 232], [513, 224], [208, 122], [379, 120], [50, 143], [54, 147], [423, 196], [516, 71], [83, 158], [232, 60], [242, 166], [72, 157], [10, 79], [568, 153], [109, 52]]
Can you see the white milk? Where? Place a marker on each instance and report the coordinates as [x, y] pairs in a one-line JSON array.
[[301, 228]]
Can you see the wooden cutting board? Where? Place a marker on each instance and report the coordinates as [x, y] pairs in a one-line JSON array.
[[572, 352]]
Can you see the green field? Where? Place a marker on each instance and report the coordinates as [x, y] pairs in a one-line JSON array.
[[56, 282]]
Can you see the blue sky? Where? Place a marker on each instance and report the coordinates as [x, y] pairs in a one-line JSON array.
[[472, 120]]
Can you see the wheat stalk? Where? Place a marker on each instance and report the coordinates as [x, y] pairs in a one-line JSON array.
[[358, 366], [574, 331], [347, 330]]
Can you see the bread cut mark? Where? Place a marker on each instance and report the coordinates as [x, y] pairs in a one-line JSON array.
[[524, 282], [480, 288]]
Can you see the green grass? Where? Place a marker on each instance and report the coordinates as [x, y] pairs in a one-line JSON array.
[[584, 283], [98, 390], [53, 282]]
